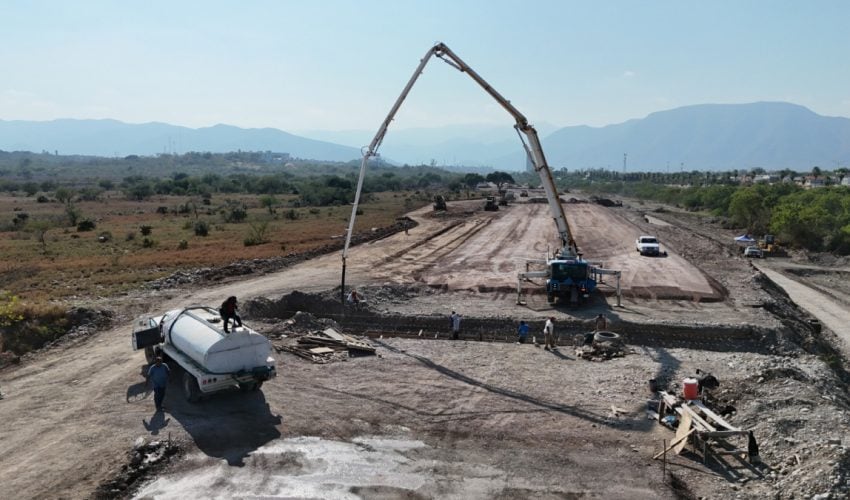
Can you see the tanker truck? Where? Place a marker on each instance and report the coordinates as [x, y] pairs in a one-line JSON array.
[[212, 360]]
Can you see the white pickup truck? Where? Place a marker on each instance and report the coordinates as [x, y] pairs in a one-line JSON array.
[[212, 360], [648, 245]]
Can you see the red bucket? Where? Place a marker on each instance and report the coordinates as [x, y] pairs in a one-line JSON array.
[[690, 388]]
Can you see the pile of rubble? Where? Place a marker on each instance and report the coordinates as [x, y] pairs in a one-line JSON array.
[[601, 346], [327, 346], [316, 339], [145, 459]]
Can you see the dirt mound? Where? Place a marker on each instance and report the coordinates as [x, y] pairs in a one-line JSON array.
[[146, 459], [290, 304], [606, 202], [260, 266]]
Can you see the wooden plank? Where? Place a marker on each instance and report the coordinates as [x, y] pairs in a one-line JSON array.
[[332, 333], [697, 418], [682, 432], [675, 442], [723, 434], [321, 350], [715, 417]]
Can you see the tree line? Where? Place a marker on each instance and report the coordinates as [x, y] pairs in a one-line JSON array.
[[814, 219]]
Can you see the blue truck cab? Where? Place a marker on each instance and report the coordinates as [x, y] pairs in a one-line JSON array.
[[570, 278]]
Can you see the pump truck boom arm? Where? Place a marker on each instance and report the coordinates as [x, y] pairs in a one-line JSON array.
[[533, 149]]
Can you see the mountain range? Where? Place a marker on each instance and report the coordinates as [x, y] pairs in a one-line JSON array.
[[771, 135], [115, 138]]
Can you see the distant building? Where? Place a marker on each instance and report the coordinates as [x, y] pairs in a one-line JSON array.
[[812, 182], [486, 186], [272, 157]]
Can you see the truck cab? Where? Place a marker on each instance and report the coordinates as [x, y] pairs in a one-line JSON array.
[[569, 278], [648, 245]]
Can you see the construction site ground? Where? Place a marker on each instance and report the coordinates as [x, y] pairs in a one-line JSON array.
[[480, 417]]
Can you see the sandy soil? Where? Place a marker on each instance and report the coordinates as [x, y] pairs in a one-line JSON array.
[[464, 419]]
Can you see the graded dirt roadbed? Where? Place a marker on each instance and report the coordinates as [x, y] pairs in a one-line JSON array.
[[70, 415], [484, 251]]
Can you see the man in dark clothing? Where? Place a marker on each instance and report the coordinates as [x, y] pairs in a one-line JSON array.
[[158, 376], [228, 312]]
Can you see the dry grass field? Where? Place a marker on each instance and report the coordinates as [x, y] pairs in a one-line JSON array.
[[115, 257]]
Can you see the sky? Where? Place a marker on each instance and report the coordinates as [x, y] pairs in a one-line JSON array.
[[340, 65]]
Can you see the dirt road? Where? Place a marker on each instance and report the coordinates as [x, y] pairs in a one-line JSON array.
[[832, 313]]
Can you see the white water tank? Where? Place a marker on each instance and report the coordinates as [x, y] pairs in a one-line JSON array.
[[197, 333]]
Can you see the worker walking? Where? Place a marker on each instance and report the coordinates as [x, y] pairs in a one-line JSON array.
[[549, 334], [228, 312], [601, 323], [158, 376], [521, 332], [454, 322]]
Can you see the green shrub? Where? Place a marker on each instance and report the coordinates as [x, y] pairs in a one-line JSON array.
[[86, 225], [202, 228], [29, 327]]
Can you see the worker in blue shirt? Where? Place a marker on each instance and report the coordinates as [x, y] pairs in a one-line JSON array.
[[521, 332], [158, 376]]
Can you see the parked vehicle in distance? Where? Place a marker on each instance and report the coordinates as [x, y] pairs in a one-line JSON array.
[[648, 245], [754, 252]]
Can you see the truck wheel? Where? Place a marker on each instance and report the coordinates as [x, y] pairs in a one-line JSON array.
[[251, 386], [190, 388], [550, 298], [150, 355]]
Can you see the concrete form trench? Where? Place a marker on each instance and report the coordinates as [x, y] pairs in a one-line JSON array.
[[366, 322]]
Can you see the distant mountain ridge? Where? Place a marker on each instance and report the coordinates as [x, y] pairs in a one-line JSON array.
[[115, 138], [771, 135]]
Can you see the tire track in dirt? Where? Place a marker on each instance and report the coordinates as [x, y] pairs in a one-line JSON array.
[[434, 251]]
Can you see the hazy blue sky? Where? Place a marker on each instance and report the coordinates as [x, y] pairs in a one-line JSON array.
[[335, 65]]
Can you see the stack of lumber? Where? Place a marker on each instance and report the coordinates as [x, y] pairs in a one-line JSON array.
[[710, 429], [326, 346]]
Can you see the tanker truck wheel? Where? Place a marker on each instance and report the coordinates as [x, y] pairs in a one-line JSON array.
[[190, 388], [150, 355], [250, 387]]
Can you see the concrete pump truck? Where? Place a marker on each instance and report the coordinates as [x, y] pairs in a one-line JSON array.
[[567, 274]]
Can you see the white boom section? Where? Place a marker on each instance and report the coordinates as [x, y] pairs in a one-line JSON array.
[[533, 149]]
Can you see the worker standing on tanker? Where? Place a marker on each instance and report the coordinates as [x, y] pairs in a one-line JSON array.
[[158, 376], [549, 334], [228, 312]]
